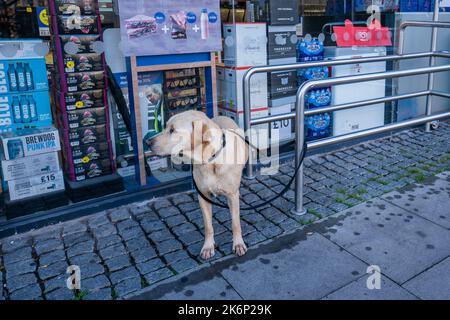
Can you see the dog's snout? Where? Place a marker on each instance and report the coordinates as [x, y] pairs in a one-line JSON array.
[[149, 142]]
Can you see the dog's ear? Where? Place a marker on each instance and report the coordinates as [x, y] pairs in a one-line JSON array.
[[201, 133], [202, 136], [197, 133], [207, 135]]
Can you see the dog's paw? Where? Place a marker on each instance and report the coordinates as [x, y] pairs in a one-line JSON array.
[[239, 247], [207, 251]]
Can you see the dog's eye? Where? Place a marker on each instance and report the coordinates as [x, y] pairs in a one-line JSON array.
[[171, 130]]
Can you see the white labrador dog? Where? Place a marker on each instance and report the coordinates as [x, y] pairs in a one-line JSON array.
[[218, 155]]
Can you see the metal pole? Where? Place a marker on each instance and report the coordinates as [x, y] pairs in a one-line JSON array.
[[299, 139], [432, 63], [249, 173]]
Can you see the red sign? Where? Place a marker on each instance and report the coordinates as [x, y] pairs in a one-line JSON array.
[[371, 36]]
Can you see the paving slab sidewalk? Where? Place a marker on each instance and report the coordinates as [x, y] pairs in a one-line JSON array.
[[329, 259], [128, 248]]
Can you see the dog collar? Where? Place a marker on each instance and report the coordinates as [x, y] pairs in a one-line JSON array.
[[224, 143]]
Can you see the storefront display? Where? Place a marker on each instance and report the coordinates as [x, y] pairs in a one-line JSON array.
[[86, 124], [345, 121], [30, 165], [282, 44], [24, 87]]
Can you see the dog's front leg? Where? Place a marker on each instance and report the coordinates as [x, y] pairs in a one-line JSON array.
[[208, 247], [239, 246]]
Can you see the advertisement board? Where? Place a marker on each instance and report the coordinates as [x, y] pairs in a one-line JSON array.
[[164, 27]]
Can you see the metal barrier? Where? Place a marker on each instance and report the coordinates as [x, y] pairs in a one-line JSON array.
[[301, 113], [401, 43], [248, 122], [406, 24]]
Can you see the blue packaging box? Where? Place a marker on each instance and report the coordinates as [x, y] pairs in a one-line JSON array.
[[23, 76], [409, 5], [319, 125], [310, 50], [24, 110], [426, 6]]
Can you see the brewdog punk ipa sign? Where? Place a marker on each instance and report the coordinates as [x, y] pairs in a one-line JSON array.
[[161, 27]]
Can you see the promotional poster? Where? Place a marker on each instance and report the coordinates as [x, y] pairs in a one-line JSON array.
[[169, 27], [151, 100]]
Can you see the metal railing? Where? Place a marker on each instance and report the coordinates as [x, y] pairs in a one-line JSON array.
[[435, 24], [248, 122], [406, 24], [300, 116]]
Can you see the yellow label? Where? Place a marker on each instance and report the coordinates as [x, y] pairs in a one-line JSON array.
[[79, 104], [70, 64], [43, 17], [29, 9], [85, 159]]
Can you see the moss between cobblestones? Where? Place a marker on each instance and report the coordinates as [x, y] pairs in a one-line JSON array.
[[80, 294], [342, 201], [419, 177], [114, 294]]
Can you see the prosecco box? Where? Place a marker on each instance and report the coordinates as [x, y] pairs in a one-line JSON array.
[[233, 94], [88, 152], [86, 117], [245, 44], [81, 100], [282, 84], [84, 62], [281, 130], [81, 81], [29, 142], [282, 42], [282, 13], [92, 169], [84, 24], [77, 44], [87, 135], [69, 7]]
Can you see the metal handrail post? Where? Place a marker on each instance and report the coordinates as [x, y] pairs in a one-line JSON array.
[[300, 139], [432, 63], [435, 24], [300, 114], [406, 24], [249, 173]]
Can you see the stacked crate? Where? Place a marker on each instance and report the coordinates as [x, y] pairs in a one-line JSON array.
[[282, 18], [245, 47], [80, 89], [319, 125]]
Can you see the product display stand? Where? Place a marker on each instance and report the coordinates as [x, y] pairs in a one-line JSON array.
[[136, 65], [79, 92]]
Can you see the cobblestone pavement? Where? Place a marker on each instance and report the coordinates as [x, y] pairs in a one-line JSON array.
[[131, 247]]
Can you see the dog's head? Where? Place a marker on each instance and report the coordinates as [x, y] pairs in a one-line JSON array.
[[184, 134]]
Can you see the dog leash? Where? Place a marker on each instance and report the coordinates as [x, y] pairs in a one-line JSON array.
[[285, 189]]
